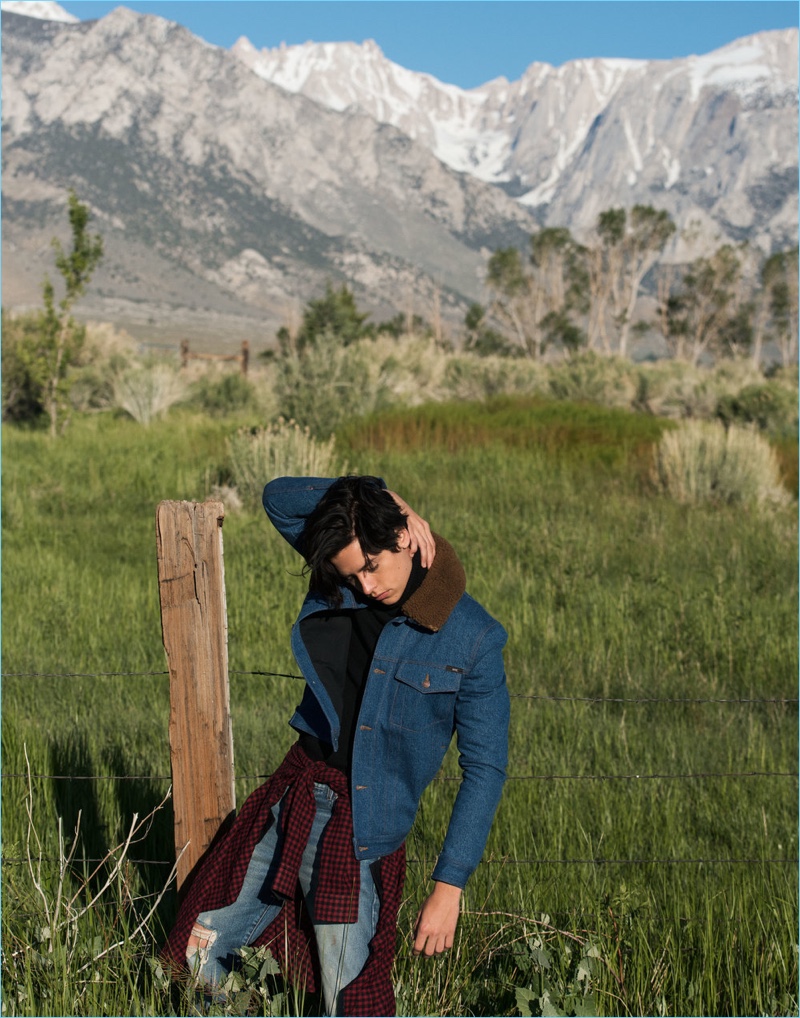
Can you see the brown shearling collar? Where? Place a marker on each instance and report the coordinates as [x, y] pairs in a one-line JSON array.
[[438, 594]]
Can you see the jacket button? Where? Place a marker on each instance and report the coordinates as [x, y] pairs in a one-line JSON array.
[[360, 788], [426, 681], [363, 848], [365, 728], [378, 671]]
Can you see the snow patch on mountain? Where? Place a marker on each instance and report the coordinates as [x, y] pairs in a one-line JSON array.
[[44, 10], [744, 66]]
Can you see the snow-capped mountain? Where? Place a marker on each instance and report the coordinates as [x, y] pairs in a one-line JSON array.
[[473, 131], [617, 131], [238, 193], [44, 10]]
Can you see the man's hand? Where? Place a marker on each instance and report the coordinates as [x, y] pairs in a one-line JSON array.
[[418, 531], [436, 922]]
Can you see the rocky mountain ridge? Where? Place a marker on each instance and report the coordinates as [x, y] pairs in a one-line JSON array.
[[572, 140]]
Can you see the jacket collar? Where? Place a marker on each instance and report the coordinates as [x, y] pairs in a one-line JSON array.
[[432, 602]]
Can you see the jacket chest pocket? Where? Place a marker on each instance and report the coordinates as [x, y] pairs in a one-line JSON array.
[[424, 696]]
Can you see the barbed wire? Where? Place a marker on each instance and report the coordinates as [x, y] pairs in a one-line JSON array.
[[501, 917], [514, 696], [440, 777], [20, 860]]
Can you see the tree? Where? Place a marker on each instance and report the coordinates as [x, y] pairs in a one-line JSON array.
[[705, 316], [511, 290], [39, 356], [481, 338], [537, 302], [62, 339], [335, 314], [779, 279], [630, 245]]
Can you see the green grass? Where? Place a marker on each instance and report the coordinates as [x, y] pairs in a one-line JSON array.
[[608, 593]]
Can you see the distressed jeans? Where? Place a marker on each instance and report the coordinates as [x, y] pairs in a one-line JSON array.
[[342, 948]]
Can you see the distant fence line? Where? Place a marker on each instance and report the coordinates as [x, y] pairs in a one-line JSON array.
[[243, 358]]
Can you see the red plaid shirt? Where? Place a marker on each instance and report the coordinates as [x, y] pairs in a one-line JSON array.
[[222, 870]]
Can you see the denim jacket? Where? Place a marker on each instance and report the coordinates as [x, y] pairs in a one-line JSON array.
[[437, 669]]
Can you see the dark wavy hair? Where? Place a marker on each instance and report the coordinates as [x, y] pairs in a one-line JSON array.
[[354, 507]]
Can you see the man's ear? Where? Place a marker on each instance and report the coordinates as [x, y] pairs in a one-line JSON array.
[[403, 539]]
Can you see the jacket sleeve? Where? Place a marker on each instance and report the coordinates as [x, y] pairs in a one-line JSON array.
[[288, 501], [482, 716]]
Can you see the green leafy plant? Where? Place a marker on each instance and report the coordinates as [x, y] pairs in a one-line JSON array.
[[772, 407], [557, 984]]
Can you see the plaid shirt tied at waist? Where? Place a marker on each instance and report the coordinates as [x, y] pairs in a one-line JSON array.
[[336, 900], [290, 937]]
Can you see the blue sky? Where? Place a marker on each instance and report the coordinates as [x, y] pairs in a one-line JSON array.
[[468, 42]]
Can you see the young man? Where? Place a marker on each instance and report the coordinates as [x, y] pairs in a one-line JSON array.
[[396, 658]]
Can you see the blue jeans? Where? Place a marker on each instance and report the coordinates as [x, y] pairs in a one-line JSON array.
[[343, 948]]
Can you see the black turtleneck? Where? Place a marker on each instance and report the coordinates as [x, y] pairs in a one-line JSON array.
[[366, 626]]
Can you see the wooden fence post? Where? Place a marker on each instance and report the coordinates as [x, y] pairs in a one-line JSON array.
[[191, 583]]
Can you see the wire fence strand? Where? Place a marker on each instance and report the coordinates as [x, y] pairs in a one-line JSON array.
[[514, 696], [19, 860], [441, 777]]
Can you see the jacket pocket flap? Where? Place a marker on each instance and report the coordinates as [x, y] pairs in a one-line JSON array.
[[429, 679]]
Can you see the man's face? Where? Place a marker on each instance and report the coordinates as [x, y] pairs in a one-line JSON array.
[[383, 576]]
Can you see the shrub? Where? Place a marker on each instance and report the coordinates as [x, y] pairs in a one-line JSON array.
[[588, 377], [23, 381], [106, 353], [326, 383], [257, 455], [476, 378], [772, 407], [702, 462], [220, 396], [148, 391]]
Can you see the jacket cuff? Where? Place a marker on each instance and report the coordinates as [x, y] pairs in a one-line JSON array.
[[450, 872]]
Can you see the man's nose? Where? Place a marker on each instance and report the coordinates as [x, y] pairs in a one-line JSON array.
[[367, 583]]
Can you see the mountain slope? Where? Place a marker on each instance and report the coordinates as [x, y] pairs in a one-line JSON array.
[[255, 193]]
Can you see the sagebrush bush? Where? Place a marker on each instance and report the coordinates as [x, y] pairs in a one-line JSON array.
[[256, 455], [407, 371], [701, 461], [679, 390], [148, 391], [326, 383], [592, 378], [471, 377]]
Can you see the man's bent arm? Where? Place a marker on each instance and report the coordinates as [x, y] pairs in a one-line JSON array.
[[482, 716]]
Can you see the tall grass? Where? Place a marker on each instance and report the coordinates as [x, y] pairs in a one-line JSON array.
[[643, 860]]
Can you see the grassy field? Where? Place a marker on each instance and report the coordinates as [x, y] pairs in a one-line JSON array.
[[643, 860]]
